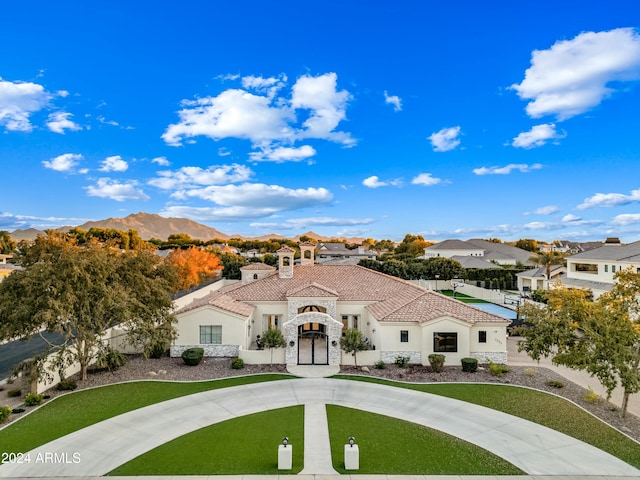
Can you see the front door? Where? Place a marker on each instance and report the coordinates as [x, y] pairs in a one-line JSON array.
[[313, 348]]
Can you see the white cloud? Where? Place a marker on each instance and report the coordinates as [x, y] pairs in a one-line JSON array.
[[114, 190], [572, 76], [10, 221], [507, 169], [302, 223], [268, 120], [326, 104], [114, 164], [64, 163], [393, 100], [626, 219], [283, 154], [610, 200], [537, 136], [223, 152], [375, 182], [60, 121], [189, 177], [546, 210], [260, 196], [426, 179], [162, 161], [569, 218], [445, 139], [18, 100]]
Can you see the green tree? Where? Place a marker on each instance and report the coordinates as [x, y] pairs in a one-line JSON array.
[[601, 337], [527, 244], [273, 338], [231, 265], [547, 260], [352, 342], [80, 292]]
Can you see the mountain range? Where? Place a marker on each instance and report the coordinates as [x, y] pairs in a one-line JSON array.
[[151, 225]]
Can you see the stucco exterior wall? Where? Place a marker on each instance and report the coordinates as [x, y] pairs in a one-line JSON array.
[[235, 329], [446, 326]]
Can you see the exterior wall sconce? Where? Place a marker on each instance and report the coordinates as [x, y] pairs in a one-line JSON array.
[[352, 440], [291, 344], [334, 343]]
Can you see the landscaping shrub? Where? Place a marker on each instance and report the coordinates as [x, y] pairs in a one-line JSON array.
[[67, 384], [14, 392], [401, 361], [530, 372], [436, 360], [380, 365], [237, 364], [498, 369], [111, 359], [4, 413], [469, 364], [554, 384], [32, 399], [17, 410], [592, 397], [157, 350], [193, 356]]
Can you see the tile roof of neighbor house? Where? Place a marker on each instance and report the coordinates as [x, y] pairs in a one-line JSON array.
[[541, 272], [391, 299], [453, 244], [623, 253], [221, 301], [499, 251], [468, 261], [579, 283]]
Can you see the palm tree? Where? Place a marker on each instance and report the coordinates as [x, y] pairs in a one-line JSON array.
[[547, 260]]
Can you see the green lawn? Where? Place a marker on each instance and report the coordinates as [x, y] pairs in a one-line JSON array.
[[396, 447], [462, 297], [242, 446], [83, 408], [539, 407]]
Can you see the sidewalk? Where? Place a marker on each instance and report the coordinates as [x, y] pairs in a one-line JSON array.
[[533, 448], [576, 376]]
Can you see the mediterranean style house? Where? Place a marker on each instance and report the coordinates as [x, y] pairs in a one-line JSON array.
[[481, 250], [314, 304]]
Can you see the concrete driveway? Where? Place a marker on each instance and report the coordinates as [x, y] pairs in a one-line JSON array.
[[535, 449]]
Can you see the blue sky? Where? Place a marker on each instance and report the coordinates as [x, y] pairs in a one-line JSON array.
[[447, 119]]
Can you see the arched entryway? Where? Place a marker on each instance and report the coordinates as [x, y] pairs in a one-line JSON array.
[[313, 338], [313, 346]]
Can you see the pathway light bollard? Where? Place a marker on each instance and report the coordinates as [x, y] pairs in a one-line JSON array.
[[351, 455], [285, 455]]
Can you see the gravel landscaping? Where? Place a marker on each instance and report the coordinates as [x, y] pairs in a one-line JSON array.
[[167, 368]]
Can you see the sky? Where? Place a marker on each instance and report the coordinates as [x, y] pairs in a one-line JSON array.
[[458, 119]]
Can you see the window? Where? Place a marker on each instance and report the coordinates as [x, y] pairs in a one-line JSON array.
[[404, 335], [345, 323], [270, 321], [211, 334], [606, 268], [613, 269], [482, 336], [445, 342], [255, 276]]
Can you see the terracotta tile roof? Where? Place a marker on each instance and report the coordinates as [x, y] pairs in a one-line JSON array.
[[258, 266], [222, 301], [391, 299], [312, 290]]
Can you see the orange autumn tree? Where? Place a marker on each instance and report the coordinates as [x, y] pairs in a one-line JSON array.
[[194, 266]]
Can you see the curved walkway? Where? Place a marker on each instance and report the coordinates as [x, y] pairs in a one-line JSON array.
[[535, 449]]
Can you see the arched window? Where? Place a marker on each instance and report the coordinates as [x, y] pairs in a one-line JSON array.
[[255, 276], [286, 261], [307, 254], [312, 308]]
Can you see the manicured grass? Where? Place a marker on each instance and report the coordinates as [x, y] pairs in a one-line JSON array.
[[245, 445], [396, 447], [83, 408], [539, 407], [462, 297]]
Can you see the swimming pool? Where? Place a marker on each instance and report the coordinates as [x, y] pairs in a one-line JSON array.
[[497, 310]]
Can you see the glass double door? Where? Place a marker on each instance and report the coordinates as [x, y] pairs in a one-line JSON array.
[[313, 347]]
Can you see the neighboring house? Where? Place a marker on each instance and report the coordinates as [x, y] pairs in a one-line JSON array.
[[253, 253], [595, 268], [536, 278], [7, 268], [329, 252], [313, 305], [497, 253], [567, 247]]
